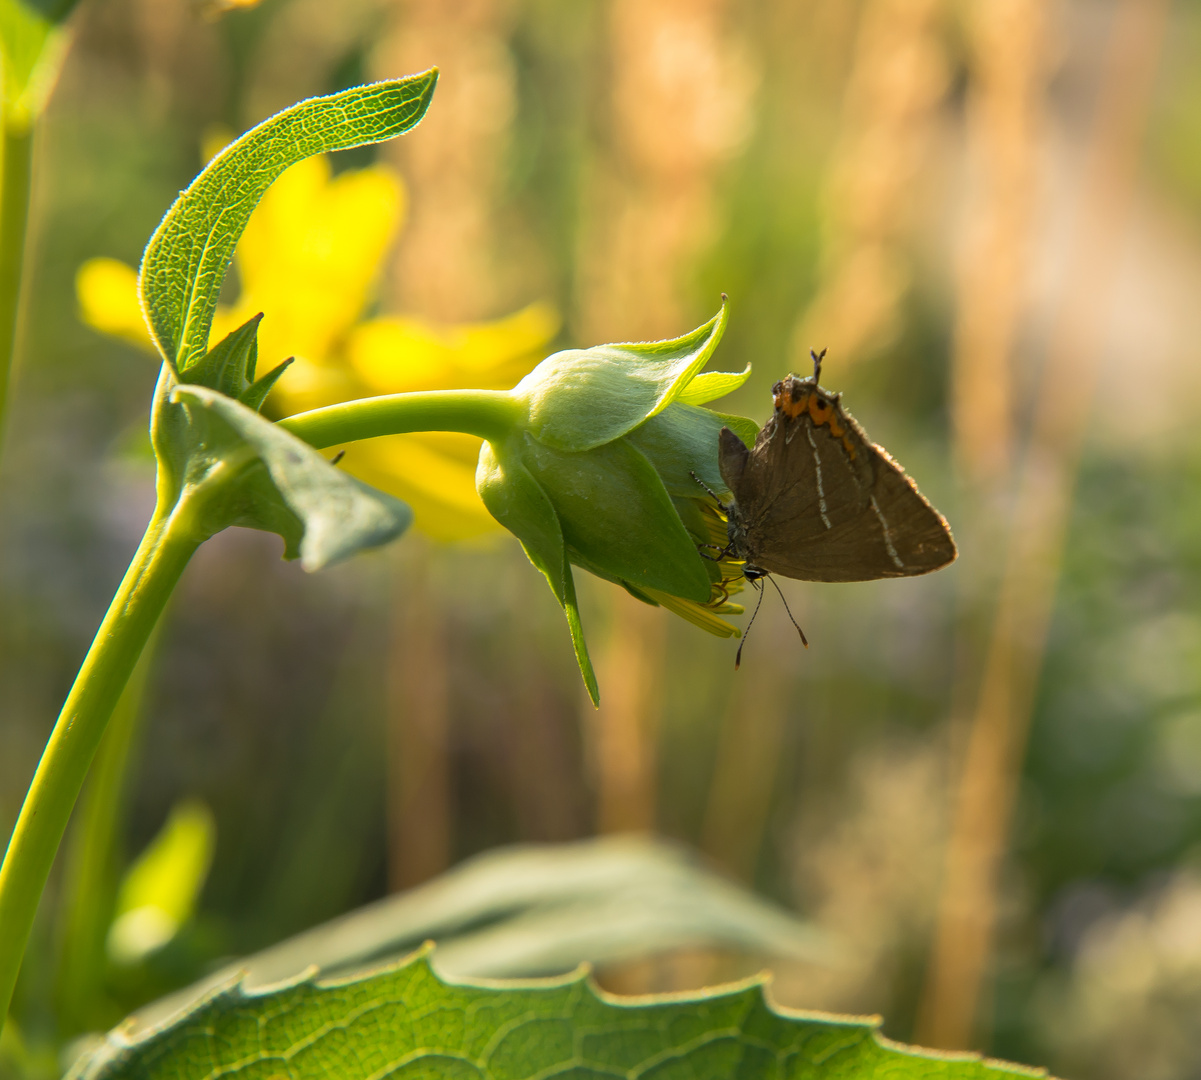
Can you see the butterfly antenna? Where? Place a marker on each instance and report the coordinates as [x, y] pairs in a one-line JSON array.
[[747, 631], [818, 357], [720, 505], [804, 640]]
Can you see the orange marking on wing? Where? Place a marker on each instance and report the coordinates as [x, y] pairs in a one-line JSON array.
[[790, 405], [819, 409], [849, 446]]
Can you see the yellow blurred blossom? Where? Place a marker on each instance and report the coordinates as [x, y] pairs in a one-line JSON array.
[[214, 9], [108, 300], [160, 891], [309, 259]]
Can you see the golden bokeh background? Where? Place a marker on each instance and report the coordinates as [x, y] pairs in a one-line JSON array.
[[986, 784]]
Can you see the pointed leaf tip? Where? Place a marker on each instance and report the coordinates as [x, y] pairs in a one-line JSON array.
[[516, 499], [256, 395]]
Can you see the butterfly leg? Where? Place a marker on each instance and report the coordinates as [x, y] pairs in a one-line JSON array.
[[722, 552]]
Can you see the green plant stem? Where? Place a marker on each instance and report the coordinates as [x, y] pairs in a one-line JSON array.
[[92, 855], [490, 414], [170, 540], [17, 153]]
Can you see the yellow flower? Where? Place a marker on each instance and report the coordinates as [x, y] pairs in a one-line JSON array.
[[309, 259]]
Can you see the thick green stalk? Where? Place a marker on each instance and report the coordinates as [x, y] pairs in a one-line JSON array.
[[490, 414], [91, 858], [14, 210], [170, 540]]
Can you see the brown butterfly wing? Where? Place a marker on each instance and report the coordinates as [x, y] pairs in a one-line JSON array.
[[823, 507]]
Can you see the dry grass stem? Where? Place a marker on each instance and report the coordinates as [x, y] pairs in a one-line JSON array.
[[964, 940]]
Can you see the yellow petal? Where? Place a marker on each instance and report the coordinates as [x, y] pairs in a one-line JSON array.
[[484, 347], [216, 138], [697, 614], [108, 301], [394, 355], [399, 353], [434, 473], [311, 252], [214, 9], [308, 385]]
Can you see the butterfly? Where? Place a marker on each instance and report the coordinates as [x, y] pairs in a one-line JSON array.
[[815, 499]]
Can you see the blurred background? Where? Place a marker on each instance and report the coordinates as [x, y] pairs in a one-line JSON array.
[[985, 784]]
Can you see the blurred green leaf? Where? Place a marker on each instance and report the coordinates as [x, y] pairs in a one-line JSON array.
[[32, 45], [538, 909], [187, 257], [282, 484], [583, 398], [406, 1021], [159, 891]]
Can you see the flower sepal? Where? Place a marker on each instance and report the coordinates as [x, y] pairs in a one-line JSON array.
[[229, 367], [583, 398]]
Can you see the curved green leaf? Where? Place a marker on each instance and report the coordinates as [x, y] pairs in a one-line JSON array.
[[583, 398], [186, 259], [323, 514], [406, 1022]]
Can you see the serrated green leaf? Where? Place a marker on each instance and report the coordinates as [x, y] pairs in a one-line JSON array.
[[32, 45], [516, 500], [189, 253], [405, 1021], [616, 514], [682, 440], [583, 398], [710, 385], [323, 514]]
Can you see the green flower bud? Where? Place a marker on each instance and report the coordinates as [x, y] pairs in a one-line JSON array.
[[600, 475]]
